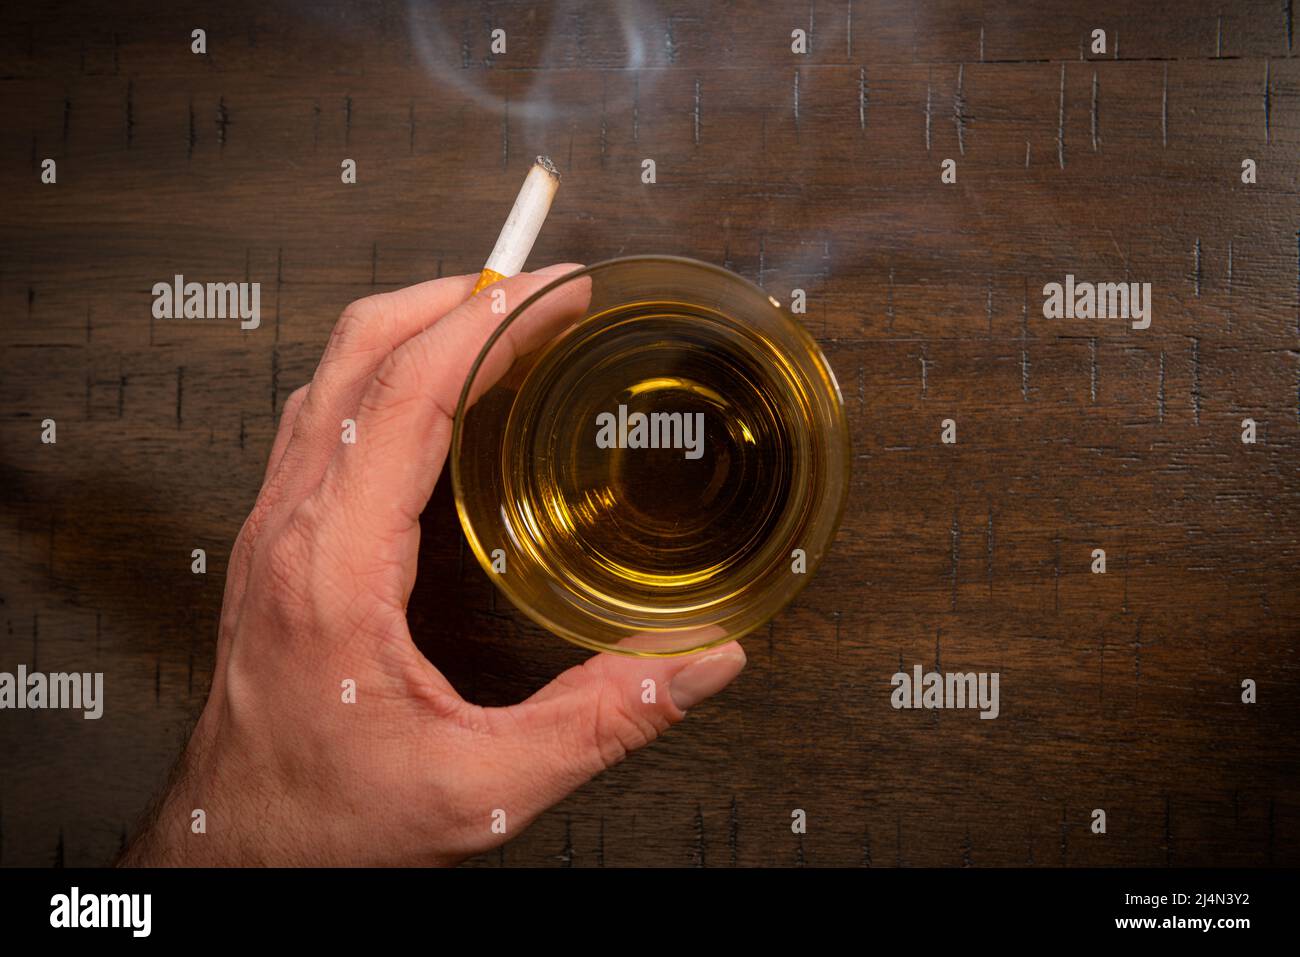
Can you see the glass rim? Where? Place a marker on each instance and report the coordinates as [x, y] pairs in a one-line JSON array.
[[838, 415]]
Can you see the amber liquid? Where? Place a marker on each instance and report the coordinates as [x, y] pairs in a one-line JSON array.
[[656, 531]]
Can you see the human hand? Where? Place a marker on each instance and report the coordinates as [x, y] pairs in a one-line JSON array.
[[285, 771]]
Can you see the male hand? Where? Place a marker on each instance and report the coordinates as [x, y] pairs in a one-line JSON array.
[[284, 770]]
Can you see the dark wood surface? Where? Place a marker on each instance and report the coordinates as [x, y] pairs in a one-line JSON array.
[[1118, 691]]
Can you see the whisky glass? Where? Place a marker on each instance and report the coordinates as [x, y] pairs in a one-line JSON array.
[[650, 456]]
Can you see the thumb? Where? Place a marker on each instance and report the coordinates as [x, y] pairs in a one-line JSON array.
[[593, 715]]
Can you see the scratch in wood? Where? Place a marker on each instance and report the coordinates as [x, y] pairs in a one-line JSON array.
[[1160, 392], [1095, 128], [1101, 670], [1092, 356], [1230, 245], [1056, 572], [1124, 606], [130, 113], [862, 98], [223, 121], [1218, 38], [1138, 661], [796, 102], [733, 832], [1164, 111], [604, 122], [697, 109], [1060, 125], [1024, 374], [697, 851], [981, 43], [670, 45], [959, 110], [988, 540], [927, 117], [866, 847], [279, 284], [636, 108], [762, 258], [889, 301], [848, 12], [565, 856], [924, 368], [1268, 102], [1026, 154], [1196, 268], [988, 306], [955, 535], [1196, 380]]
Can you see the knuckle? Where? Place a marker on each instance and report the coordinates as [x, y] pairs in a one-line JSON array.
[[292, 404], [356, 316], [397, 380], [288, 554], [618, 729]]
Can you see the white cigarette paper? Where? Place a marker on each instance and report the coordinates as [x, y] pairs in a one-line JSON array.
[[525, 219]]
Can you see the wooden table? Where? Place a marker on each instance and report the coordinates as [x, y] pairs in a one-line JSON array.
[[821, 171]]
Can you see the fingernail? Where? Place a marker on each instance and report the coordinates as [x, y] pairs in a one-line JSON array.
[[557, 269], [706, 677]]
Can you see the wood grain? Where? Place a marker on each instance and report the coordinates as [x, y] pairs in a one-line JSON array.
[[1118, 691]]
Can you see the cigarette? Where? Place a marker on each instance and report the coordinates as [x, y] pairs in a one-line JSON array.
[[522, 225]]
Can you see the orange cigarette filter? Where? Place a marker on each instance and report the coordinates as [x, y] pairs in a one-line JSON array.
[[522, 225]]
